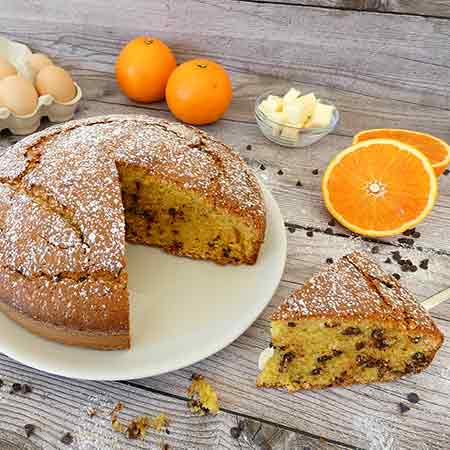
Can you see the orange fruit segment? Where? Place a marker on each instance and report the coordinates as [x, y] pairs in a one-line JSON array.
[[379, 187], [199, 92], [435, 149], [143, 68]]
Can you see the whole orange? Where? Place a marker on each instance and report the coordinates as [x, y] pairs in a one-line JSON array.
[[143, 68], [199, 92]]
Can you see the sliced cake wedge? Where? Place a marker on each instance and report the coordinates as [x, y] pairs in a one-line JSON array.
[[350, 323]]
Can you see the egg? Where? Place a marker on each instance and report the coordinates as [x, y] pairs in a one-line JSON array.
[[57, 82], [6, 68], [38, 61], [18, 95]]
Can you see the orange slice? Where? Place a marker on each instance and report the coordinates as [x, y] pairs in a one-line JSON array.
[[379, 187], [435, 149]]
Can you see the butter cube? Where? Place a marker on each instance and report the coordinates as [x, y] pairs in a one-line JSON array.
[[291, 95], [321, 117]]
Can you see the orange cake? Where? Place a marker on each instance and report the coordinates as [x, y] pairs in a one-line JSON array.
[[71, 195], [350, 323]]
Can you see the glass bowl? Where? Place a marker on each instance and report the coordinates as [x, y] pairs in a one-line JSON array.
[[289, 135]]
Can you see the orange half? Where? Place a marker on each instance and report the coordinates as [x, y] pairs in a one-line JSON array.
[[379, 187], [435, 149]]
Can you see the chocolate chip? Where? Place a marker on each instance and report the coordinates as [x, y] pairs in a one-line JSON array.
[[378, 333], [235, 432], [409, 232], [330, 324], [172, 212], [406, 241], [316, 371], [416, 235], [381, 343], [413, 397], [403, 407], [375, 250], [16, 387], [249, 147], [292, 324], [360, 345], [332, 222], [337, 353], [26, 388], [324, 358], [67, 439], [396, 255], [262, 167], [315, 172], [329, 260], [291, 229], [138, 186], [446, 172], [419, 357], [309, 233], [413, 268], [29, 429], [396, 276], [415, 339], [388, 261], [299, 183], [351, 331], [424, 264], [329, 231], [286, 360], [280, 172], [405, 268]]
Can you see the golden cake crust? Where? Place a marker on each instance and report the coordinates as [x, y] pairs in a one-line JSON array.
[[62, 225], [355, 287]]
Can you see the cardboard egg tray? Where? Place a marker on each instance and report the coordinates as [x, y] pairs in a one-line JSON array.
[[17, 54]]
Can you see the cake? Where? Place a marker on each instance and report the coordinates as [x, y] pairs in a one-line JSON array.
[[350, 323], [71, 196]]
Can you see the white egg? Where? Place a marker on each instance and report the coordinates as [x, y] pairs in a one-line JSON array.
[[18, 95], [6, 68], [57, 82]]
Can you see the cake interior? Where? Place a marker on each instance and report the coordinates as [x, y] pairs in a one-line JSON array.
[[314, 353], [159, 213]]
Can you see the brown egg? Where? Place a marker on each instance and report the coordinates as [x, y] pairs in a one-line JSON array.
[[6, 68], [18, 95], [38, 61], [57, 82]]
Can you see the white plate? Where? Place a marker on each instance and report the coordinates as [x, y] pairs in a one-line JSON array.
[[182, 312]]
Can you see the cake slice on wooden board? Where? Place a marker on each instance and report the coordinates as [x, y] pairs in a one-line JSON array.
[[350, 323]]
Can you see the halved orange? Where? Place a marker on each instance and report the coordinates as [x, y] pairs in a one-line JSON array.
[[379, 187], [435, 149]]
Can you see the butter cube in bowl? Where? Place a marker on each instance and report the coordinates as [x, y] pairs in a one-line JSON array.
[[295, 119]]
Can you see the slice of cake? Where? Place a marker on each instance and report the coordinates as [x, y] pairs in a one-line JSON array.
[[350, 323]]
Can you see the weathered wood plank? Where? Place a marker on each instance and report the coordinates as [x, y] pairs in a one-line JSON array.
[[382, 55], [57, 405], [437, 8]]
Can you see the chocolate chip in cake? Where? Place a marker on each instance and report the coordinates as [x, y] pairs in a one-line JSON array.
[[351, 331], [67, 439], [406, 241], [172, 212], [315, 172], [424, 264], [29, 429], [324, 358], [309, 233], [375, 249], [316, 371], [292, 324], [378, 333], [299, 183], [332, 222], [419, 357], [262, 167], [413, 397], [403, 407], [360, 345], [329, 231], [446, 172], [388, 261], [329, 260], [381, 344], [286, 359], [396, 276], [249, 147], [280, 172]]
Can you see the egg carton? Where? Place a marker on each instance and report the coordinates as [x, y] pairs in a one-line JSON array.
[[17, 54]]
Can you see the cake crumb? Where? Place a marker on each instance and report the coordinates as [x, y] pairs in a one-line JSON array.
[[203, 398]]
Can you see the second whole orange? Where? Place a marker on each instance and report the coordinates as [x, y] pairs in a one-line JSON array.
[[199, 92]]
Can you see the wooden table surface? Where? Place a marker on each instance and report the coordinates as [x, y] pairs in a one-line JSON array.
[[384, 64]]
